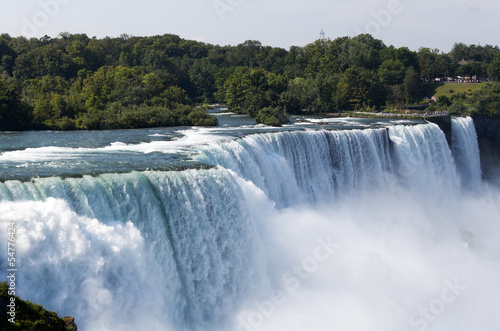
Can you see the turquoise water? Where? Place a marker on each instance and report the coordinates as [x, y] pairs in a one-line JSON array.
[[24, 155]]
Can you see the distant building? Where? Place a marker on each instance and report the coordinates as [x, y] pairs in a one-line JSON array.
[[322, 35], [466, 62]]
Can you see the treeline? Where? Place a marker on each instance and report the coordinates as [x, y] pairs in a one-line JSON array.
[[77, 82], [74, 82]]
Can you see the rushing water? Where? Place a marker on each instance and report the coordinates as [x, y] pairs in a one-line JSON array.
[[329, 224], [466, 153]]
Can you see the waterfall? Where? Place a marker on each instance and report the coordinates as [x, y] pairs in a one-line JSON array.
[[182, 241], [424, 160], [307, 166], [183, 250], [466, 151], [313, 166]]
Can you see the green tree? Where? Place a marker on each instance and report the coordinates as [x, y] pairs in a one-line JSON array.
[[13, 114], [471, 69], [391, 72], [358, 88], [362, 51], [299, 96], [249, 90], [494, 68], [426, 60], [411, 86], [274, 116], [8, 64]]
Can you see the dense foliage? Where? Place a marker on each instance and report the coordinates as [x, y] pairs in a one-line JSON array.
[[272, 116], [484, 102], [77, 82], [29, 316]]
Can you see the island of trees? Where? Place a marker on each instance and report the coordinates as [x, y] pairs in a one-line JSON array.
[[77, 82]]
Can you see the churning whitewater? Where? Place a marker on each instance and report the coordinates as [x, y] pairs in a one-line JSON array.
[[373, 229]]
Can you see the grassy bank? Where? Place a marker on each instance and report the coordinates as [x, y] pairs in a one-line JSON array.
[[448, 89]]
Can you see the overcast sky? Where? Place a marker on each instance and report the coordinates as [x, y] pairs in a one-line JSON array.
[[411, 23]]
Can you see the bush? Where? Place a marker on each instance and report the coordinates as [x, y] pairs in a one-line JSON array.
[[200, 117], [29, 316], [272, 116], [64, 124]]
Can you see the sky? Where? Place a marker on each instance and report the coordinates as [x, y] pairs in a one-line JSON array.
[[410, 23]]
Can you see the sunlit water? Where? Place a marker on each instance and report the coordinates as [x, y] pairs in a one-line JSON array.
[[324, 224]]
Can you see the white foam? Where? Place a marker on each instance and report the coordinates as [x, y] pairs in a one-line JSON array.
[[189, 139], [78, 266]]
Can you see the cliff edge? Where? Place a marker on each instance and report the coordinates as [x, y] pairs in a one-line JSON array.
[[29, 316], [488, 135]]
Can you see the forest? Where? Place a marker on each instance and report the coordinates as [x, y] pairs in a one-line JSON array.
[[77, 82]]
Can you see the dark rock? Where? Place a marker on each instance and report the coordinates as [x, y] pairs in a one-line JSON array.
[[488, 135]]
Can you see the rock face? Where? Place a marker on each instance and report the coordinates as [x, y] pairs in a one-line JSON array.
[[488, 134]]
